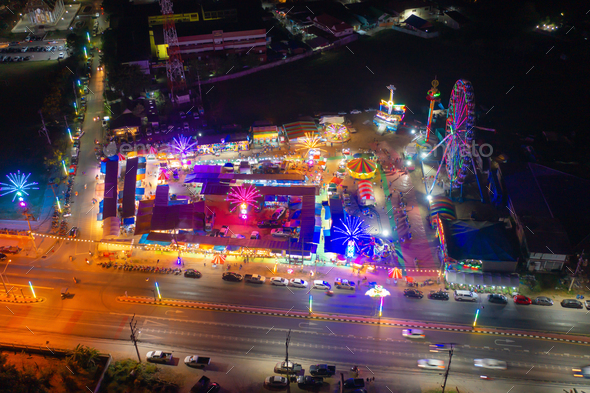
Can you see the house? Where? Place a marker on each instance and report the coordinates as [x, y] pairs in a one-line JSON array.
[[127, 124], [454, 19], [332, 25], [403, 10], [549, 208], [417, 24], [369, 16]]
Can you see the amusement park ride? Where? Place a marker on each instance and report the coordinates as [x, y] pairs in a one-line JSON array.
[[458, 143], [389, 115]]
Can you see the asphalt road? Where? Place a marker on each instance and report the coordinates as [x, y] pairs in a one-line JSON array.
[[92, 313], [56, 272]]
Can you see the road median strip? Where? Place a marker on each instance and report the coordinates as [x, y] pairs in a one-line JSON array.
[[22, 301], [353, 319]]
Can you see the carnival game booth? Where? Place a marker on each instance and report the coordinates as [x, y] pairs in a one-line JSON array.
[[361, 168], [211, 144], [297, 131], [366, 194], [477, 245], [266, 135]]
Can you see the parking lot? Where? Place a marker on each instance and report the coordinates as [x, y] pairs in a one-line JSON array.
[[34, 50]]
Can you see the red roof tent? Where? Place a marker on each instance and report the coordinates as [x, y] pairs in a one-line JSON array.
[[366, 190], [298, 129]]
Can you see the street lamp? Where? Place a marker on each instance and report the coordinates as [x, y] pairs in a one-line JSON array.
[[158, 289], [4, 282], [378, 292], [32, 290]]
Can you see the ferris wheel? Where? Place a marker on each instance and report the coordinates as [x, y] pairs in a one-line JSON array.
[[459, 135]]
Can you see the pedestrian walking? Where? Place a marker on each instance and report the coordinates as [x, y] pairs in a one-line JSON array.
[[205, 264], [125, 293], [158, 261]]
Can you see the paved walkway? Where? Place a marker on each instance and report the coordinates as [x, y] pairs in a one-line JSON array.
[[408, 220]]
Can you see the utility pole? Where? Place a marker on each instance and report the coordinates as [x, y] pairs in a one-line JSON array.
[[133, 337], [43, 130], [448, 369], [28, 217], [287, 341], [580, 259]]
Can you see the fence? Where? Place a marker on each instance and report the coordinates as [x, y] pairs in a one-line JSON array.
[[340, 42], [416, 33]]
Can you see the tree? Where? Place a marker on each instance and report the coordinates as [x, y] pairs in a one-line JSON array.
[[76, 43], [128, 79]]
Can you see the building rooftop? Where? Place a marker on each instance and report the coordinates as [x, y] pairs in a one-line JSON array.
[[133, 42], [554, 201], [457, 17], [189, 29]]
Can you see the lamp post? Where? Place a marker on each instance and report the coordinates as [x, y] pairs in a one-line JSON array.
[[4, 282], [378, 292]]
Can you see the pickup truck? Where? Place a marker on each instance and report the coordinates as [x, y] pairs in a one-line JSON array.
[[255, 278], [322, 370], [158, 357], [354, 383], [284, 368], [197, 361], [308, 382]]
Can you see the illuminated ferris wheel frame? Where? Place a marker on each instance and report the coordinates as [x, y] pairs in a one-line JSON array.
[[459, 135]]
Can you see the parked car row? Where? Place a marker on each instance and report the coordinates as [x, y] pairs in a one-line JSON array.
[[278, 281], [495, 298], [8, 59]]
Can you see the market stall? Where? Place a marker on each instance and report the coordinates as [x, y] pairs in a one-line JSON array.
[[297, 131], [267, 135], [366, 195]]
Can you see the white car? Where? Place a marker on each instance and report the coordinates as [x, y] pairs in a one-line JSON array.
[[431, 364], [280, 281], [413, 333], [280, 232], [355, 112], [298, 283], [323, 285], [276, 382], [492, 364], [61, 55]]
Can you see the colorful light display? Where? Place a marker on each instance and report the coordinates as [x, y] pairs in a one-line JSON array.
[[434, 97], [19, 184], [182, 145], [337, 133], [389, 115], [459, 126], [310, 142], [353, 233], [243, 196]]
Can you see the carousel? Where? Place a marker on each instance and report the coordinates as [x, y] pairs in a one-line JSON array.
[[361, 168]]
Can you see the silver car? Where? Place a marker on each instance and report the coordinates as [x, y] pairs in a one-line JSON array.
[[543, 301]]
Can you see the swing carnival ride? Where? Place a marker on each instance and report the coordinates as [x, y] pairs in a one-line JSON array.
[[458, 155], [389, 115]]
